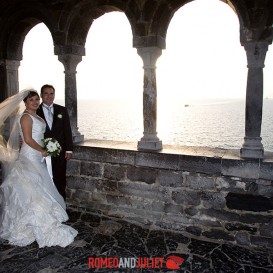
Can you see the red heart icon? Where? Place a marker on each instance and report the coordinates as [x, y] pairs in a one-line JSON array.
[[174, 262]]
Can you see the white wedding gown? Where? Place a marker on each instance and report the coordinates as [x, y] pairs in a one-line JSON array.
[[32, 208]]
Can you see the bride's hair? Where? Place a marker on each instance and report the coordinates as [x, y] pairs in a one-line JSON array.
[[32, 93]]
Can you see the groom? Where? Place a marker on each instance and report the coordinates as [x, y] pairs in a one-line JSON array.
[[58, 127]]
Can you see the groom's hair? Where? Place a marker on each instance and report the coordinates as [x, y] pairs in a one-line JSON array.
[[47, 86], [31, 94]]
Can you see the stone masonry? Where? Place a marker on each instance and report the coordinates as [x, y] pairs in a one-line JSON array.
[[209, 194]]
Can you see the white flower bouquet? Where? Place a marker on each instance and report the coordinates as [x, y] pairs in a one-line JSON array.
[[52, 146]]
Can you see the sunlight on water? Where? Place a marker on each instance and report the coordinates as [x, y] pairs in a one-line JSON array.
[[210, 123]]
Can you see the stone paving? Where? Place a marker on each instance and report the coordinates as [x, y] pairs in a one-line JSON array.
[[119, 243]]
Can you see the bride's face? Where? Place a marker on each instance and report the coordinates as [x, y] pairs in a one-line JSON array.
[[32, 103]]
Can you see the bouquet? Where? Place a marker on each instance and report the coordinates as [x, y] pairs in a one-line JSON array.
[[52, 146]]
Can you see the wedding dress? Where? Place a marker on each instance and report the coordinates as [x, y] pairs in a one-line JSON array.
[[32, 208]]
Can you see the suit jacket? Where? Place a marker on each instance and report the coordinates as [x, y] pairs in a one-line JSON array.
[[61, 129]]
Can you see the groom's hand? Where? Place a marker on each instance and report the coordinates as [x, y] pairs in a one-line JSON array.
[[68, 156]]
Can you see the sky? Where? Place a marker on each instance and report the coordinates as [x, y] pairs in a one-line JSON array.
[[203, 58]]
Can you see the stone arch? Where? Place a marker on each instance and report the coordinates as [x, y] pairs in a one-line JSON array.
[[165, 12], [17, 23], [76, 26], [255, 20]]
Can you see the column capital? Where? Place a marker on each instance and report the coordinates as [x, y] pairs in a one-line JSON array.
[[256, 52], [149, 41], [11, 64], [70, 62], [149, 55]]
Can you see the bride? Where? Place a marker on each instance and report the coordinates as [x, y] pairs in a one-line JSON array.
[[32, 209]]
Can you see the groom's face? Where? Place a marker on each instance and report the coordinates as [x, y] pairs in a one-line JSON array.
[[48, 96]]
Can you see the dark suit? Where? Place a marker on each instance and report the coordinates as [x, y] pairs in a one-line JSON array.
[[61, 130]]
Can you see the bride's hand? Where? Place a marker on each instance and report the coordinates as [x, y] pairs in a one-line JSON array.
[[44, 154]]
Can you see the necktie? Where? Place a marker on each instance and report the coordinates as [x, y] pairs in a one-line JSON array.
[[49, 115]]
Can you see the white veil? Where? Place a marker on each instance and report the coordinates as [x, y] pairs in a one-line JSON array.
[[9, 137]]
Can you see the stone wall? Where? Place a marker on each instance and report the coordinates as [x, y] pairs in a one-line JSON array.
[[209, 193]]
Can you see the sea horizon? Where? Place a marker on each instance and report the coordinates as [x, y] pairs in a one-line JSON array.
[[212, 123]]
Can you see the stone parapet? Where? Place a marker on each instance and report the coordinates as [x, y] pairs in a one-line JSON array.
[[209, 193]]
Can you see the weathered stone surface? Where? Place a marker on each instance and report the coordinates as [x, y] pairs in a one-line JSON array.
[[119, 156], [213, 199], [81, 195], [157, 160], [105, 186], [222, 263], [114, 172], [200, 247], [209, 165], [91, 169], [172, 218], [156, 243], [262, 241], [205, 223], [221, 214], [171, 208], [89, 154], [223, 183], [200, 182], [242, 238], [252, 187], [170, 179], [142, 174], [219, 235], [241, 168], [191, 211], [148, 191], [194, 230], [175, 199], [240, 227], [267, 230], [266, 171], [266, 190], [81, 183], [73, 167], [186, 197]]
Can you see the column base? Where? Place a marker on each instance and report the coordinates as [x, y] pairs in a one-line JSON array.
[[252, 148], [78, 138], [149, 144]]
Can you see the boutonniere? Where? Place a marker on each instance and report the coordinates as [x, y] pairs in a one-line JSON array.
[[60, 116]]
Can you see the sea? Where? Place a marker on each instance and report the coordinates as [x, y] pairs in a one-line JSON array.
[[207, 123]]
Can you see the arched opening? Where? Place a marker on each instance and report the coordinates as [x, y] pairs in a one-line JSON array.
[[110, 82], [39, 65], [204, 67]]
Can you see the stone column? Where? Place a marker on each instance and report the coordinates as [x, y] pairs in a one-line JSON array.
[[70, 62], [253, 147], [10, 86], [149, 141], [12, 80]]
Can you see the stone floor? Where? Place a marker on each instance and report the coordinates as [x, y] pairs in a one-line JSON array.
[[116, 243]]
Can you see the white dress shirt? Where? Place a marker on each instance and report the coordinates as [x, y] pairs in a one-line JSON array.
[[51, 109]]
